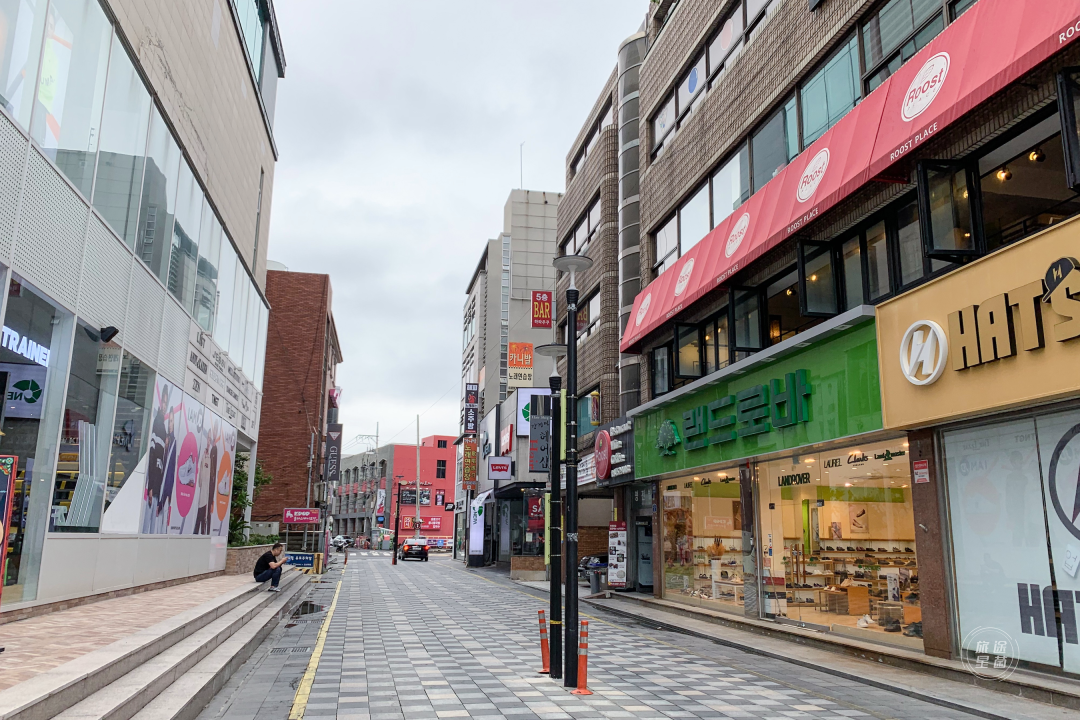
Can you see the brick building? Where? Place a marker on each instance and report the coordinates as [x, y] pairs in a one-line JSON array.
[[800, 171], [301, 369]]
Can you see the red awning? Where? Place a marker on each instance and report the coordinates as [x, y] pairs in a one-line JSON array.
[[989, 47]]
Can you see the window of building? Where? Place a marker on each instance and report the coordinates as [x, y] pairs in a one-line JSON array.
[[715, 346], [226, 289], [725, 46], [691, 89], [784, 306], [893, 34], [253, 29], [158, 204], [694, 222], [688, 351], [667, 245], [731, 185], [584, 411], [442, 444], [440, 465], [184, 253], [959, 7], [205, 303], [663, 124], [588, 317], [67, 114], [21, 32], [577, 243], [775, 144], [661, 370], [130, 433], [817, 280], [852, 268], [592, 137], [122, 149], [832, 92], [79, 485], [746, 321]]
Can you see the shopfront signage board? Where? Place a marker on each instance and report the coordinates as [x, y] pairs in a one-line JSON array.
[[519, 365], [1010, 335], [300, 560], [614, 453], [525, 410], [499, 468], [301, 516], [617, 562], [826, 391], [541, 309]]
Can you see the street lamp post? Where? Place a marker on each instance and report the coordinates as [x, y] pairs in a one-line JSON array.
[[555, 351], [571, 264]]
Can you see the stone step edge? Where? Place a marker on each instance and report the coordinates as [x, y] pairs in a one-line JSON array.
[[125, 696], [58, 688], [192, 691], [1025, 690]]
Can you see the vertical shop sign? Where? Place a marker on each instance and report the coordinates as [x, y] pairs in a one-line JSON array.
[[8, 468], [519, 365], [333, 452], [472, 408], [540, 445], [616, 576], [469, 461], [541, 309], [506, 440]]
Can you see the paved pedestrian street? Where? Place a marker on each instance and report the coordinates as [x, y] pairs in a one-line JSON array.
[[434, 640]]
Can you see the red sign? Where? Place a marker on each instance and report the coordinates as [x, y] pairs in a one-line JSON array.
[[506, 439], [301, 516], [922, 471], [499, 468], [469, 465], [992, 45], [408, 522], [602, 455], [541, 309]]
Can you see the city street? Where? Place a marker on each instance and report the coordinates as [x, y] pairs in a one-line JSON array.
[[434, 640]]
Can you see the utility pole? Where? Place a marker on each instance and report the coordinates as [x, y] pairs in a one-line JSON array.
[[555, 351], [416, 533]]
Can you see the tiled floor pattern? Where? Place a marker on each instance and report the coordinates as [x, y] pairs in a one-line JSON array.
[[424, 641], [37, 644]]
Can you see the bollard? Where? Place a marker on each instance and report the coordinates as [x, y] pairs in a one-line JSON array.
[[583, 662], [545, 652]]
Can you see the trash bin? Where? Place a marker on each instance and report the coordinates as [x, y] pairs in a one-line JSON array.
[[594, 582]]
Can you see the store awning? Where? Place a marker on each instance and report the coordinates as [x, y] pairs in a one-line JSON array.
[[990, 46], [514, 490]]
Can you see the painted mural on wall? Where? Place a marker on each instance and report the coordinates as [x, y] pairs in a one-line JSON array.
[[188, 467]]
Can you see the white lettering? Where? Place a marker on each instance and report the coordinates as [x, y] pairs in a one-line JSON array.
[[22, 345], [1069, 33], [11, 339]]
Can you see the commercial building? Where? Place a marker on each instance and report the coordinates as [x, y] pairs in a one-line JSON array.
[[133, 236], [301, 399], [827, 202], [367, 505], [508, 312]]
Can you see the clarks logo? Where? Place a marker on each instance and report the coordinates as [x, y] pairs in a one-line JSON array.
[[813, 175], [643, 309], [684, 277], [738, 232], [925, 87]]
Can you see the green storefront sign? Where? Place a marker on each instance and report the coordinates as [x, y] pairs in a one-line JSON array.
[[825, 391]]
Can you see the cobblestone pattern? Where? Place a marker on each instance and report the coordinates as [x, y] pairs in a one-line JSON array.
[[427, 641]]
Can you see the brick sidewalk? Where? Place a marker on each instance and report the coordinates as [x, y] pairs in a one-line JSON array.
[[38, 644]]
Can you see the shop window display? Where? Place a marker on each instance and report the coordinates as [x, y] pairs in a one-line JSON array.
[[34, 356], [838, 541], [707, 542]]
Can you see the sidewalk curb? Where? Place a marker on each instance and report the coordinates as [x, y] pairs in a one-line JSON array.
[[906, 690]]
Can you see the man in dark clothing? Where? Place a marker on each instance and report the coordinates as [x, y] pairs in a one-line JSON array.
[[268, 567]]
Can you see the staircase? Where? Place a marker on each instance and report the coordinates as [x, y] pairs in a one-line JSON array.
[[169, 670]]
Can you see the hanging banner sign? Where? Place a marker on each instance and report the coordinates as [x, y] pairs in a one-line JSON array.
[[472, 408], [333, 452], [540, 445], [469, 465], [519, 365], [476, 525], [541, 309]]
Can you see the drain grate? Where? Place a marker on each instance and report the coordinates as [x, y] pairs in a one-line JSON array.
[[287, 650]]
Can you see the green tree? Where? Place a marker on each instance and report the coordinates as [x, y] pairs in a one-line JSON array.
[[240, 499]]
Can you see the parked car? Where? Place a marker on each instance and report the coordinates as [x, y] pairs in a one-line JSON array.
[[591, 563], [341, 542], [414, 548]]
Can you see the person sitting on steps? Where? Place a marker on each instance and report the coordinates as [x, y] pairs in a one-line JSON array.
[[268, 567]]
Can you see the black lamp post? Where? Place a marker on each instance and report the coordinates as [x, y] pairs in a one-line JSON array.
[[397, 519], [555, 351], [571, 264]]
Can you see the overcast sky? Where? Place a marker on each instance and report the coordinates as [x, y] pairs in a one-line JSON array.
[[398, 125]]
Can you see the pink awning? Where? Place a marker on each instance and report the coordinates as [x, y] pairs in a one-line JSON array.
[[989, 47]]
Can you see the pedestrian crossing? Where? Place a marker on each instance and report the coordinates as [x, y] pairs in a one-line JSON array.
[[371, 553]]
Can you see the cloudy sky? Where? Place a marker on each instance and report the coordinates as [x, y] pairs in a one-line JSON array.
[[398, 125]]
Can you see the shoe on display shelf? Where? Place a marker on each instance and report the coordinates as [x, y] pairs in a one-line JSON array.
[[913, 630], [891, 626], [865, 621]]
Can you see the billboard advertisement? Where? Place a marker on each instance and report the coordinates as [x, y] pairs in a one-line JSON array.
[[301, 516]]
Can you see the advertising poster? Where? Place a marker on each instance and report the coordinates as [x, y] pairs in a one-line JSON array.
[[221, 494], [8, 469], [408, 522], [476, 525], [380, 502], [161, 454], [189, 433], [616, 575]]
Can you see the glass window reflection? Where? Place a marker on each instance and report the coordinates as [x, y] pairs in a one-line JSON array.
[[153, 239], [22, 27], [130, 435]]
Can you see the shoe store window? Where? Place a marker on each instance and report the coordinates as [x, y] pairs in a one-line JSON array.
[[707, 543], [1013, 526], [838, 533]]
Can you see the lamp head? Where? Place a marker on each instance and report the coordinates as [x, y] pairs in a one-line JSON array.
[[572, 264]]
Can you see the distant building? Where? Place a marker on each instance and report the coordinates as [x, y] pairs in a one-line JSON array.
[[300, 379]]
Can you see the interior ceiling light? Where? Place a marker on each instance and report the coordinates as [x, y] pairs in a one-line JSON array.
[[1004, 173], [788, 291], [1037, 155], [813, 278]]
